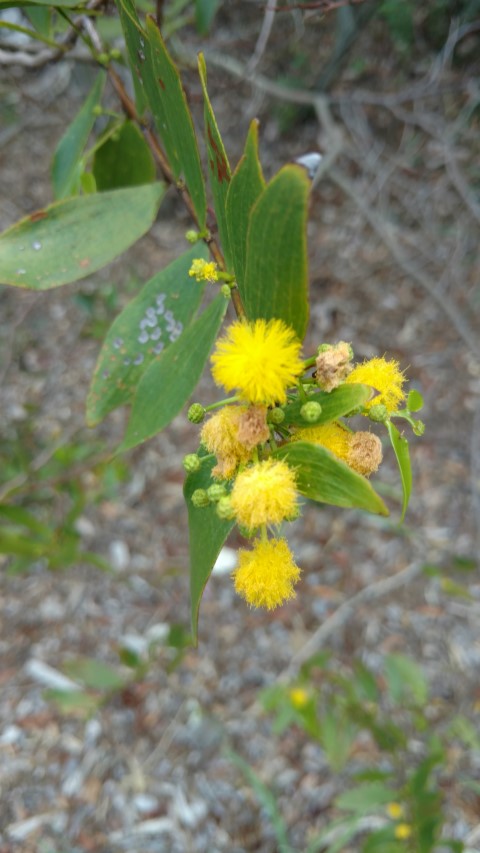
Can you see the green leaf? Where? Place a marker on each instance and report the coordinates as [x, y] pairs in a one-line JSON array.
[[152, 63], [73, 701], [246, 186], [402, 453], [450, 587], [335, 404], [350, 827], [20, 516], [67, 4], [405, 680], [276, 274], [124, 160], [337, 735], [414, 401], [94, 674], [72, 239], [266, 799], [218, 166], [205, 11], [148, 325], [171, 378], [67, 157], [365, 798], [322, 477], [207, 534]]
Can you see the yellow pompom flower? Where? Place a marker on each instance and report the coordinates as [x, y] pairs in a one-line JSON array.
[[299, 698], [403, 831], [395, 810], [220, 436], [333, 436], [258, 360], [385, 377], [203, 270], [264, 494], [265, 576]]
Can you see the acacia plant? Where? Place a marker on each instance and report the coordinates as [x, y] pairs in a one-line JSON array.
[[284, 431]]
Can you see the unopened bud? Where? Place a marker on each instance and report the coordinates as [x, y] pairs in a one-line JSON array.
[[226, 290], [196, 413], [216, 491], [225, 510], [378, 413], [192, 236], [200, 498], [311, 411], [115, 53], [191, 462], [276, 416], [418, 427]]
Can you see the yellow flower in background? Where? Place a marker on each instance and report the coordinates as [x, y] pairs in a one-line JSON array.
[[264, 494], [395, 811], [266, 575], [299, 697], [203, 270], [220, 436], [385, 377], [258, 360], [403, 831], [333, 436]]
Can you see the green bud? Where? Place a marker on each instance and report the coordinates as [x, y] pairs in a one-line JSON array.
[[103, 58], [276, 416], [115, 53], [378, 413], [225, 510], [216, 491], [200, 498], [226, 290], [418, 427], [196, 413], [324, 348], [192, 236], [97, 110], [191, 462], [311, 411]]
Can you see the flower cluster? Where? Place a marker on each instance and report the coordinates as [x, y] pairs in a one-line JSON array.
[[276, 404]]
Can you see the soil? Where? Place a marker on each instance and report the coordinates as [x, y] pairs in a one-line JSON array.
[[393, 241]]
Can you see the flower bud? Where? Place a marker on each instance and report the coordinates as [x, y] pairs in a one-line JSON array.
[[226, 291], [378, 413], [200, 498], [311, 411], [276, 415], [115, 53], [192, 236], [224, 509], [196, 413], [216, 491], [418, 427], [191, 462]]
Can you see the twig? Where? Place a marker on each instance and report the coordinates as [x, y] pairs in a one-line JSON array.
[[340, 616], [263, 37]]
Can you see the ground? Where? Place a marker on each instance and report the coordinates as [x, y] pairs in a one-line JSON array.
[[394, 264]]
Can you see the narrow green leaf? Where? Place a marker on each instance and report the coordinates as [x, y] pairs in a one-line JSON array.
[[207, 533], [166, 98], [205, 11], [67, 4], [276, 274], [17, 543], [402, 453], [324, 478], [24, 518], [73, 701], [94, 674], [72, 239], [364, 798], [246, 186], [335, 404], [146, 327], [170, 379], [218, 166], [124, 160], [66, 160], [405, 679]]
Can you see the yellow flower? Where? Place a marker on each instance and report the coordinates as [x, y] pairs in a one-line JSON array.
[[403, 831], [259, 360], [203, 270], [266, 575], [298, 697], [395, 810], [385, 377], [333, 436], [264, 494], [220, 436]]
